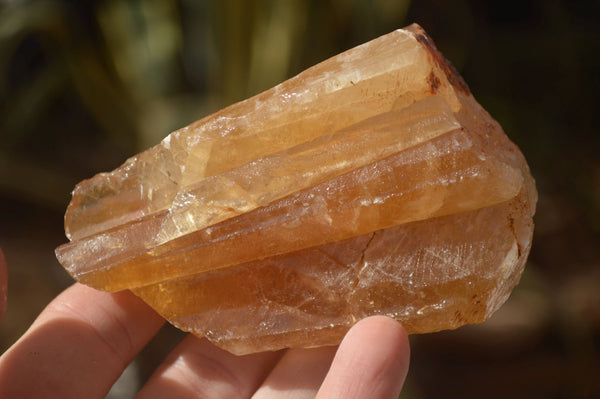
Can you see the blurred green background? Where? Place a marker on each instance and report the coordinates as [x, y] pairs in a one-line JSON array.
[[86, 84]]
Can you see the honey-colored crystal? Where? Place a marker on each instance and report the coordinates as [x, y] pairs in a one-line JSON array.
[[372, 183]]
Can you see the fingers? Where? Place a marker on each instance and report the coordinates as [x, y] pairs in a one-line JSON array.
[[197, 369], [78, 346], [3, 284], [372, 362], [298, 374], [83, 340]]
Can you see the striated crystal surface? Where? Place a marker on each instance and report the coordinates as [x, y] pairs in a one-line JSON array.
[[371, 183]]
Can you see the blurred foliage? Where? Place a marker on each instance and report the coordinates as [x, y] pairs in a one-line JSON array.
[[85, 84]]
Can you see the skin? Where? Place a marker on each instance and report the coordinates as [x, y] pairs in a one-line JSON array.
[[80, 344], [3, 284]]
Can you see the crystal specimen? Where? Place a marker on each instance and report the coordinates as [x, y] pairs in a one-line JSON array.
[[371, 183]]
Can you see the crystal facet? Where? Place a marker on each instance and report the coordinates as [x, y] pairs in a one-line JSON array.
[[372, 183]]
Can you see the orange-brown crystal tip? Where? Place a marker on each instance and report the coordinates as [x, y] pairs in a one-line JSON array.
[[371, 183]]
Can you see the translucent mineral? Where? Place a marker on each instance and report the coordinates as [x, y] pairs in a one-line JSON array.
[[371, 183]]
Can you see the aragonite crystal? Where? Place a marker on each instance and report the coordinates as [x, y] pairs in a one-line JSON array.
[[372, 183]]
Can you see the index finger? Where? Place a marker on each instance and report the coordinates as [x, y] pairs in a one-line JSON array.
[[78, 346], [3, 284]]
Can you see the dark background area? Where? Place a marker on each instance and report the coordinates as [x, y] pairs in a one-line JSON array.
[[86, 84]]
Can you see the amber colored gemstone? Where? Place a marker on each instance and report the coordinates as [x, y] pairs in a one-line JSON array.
[[371, 183]]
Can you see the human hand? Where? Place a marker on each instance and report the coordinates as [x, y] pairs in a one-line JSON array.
[[83, 340], [3, 284]]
